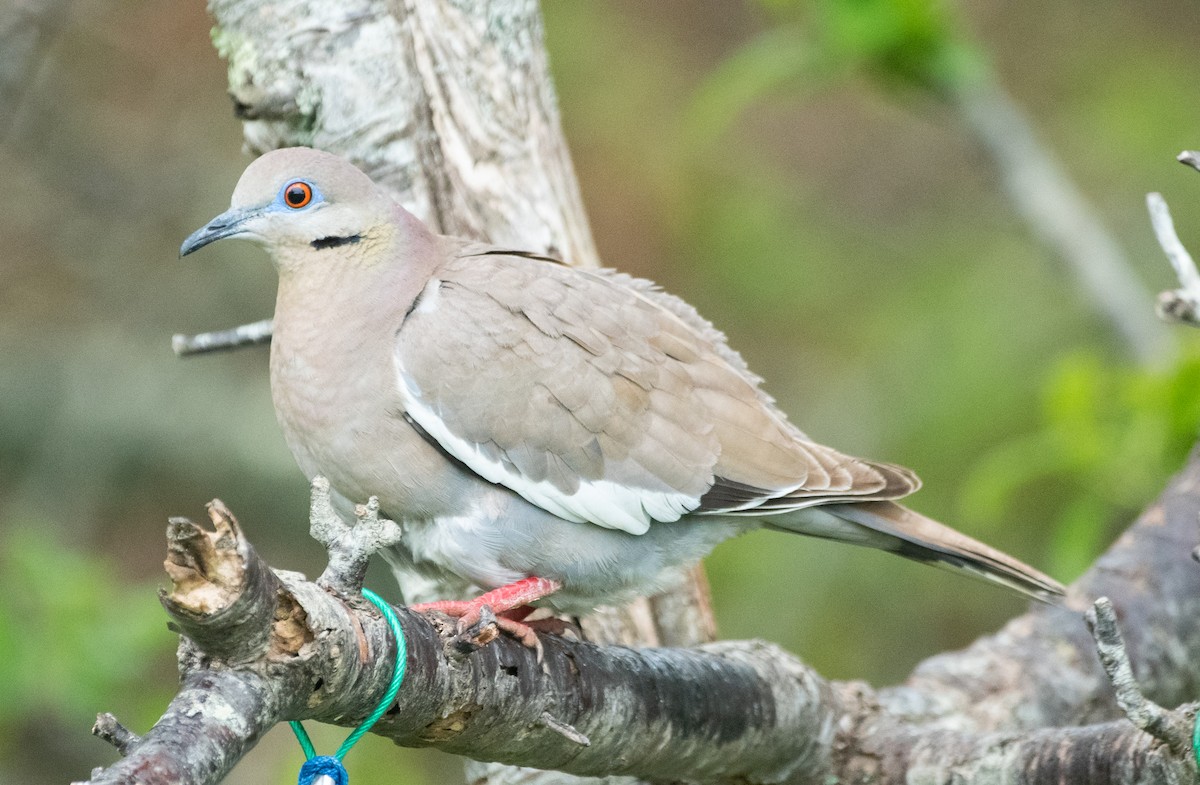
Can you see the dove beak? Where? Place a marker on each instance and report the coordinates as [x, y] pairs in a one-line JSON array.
[[230, 223]]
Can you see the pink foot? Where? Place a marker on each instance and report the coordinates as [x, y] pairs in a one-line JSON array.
[[504, 607]]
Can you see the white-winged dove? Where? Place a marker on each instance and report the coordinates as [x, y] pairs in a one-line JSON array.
[[547, 434]]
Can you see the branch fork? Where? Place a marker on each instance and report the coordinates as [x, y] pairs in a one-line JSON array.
[[350, 547], [262, 646]]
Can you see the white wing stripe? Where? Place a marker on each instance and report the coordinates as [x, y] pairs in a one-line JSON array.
[[602, 502]]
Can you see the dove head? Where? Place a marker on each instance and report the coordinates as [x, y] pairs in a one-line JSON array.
[[298, 203]]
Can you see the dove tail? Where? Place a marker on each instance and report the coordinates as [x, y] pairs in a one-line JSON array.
[[893, 527]]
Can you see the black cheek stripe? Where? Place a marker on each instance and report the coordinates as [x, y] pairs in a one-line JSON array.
[[335, 242]]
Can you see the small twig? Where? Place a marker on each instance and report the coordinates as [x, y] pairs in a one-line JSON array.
[[1164, 229], [325, 525], [1142, 712], [1189, 157], [223, 340], [349, 547], [563, 729], [107, 727], [1182, 304]]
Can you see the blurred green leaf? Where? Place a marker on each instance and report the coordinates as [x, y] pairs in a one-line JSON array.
[[780, 60], [1109, 435], [909, 43], [900, 44], [72, 634]]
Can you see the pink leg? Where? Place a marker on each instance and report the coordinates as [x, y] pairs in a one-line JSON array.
[[505, 602]]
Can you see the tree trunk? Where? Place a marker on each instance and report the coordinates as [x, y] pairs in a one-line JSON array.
[[450, 104]]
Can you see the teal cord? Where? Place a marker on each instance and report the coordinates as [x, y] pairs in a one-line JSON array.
[[1196, 739], [389, 697], [306, 744]]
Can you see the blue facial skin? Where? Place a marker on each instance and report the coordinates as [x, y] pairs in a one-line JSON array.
[[280, 202], [230, 222]]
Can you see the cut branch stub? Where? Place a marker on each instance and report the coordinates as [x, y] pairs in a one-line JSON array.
[[109, 729], [205, 568], [223, 596]]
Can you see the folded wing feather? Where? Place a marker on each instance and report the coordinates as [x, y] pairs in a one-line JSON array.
[[603, 400]]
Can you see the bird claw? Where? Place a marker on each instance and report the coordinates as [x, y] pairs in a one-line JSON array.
[[476, 629], [553, 625], [478, 626], [525, 634], [479, 623]]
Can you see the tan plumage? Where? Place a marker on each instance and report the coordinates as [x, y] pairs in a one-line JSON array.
[[620, 388], [522, 418]]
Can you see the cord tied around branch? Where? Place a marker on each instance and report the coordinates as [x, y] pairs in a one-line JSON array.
[[329, 769]]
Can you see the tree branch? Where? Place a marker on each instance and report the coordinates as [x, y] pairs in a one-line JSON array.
[[1058, 213], [1030, 704], [222, 340], [276, 646]]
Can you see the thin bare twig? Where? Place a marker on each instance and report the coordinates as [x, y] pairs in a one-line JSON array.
[[1182, 304], [1190, 158], [222, 340], [109, 729], [1164, 230], [1140, 710]]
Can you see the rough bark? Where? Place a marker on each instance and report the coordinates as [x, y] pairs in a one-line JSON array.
[[448, 103], [1030, 705]]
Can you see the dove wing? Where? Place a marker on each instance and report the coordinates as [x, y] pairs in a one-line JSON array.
[[603, 400]]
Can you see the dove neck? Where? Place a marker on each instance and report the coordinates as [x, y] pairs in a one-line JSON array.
[[379, 274]]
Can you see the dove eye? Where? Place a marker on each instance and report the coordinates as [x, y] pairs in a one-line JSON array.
[[297, 194]]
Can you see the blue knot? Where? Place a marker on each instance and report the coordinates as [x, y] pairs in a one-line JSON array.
[[323, 765]]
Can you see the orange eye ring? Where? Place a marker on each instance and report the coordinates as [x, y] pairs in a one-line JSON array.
[[297, 195]]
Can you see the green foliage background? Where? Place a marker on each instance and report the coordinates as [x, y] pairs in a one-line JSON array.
[[795, 169]]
